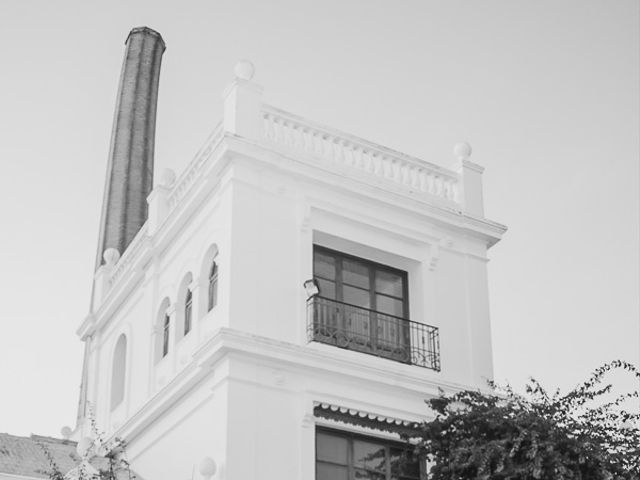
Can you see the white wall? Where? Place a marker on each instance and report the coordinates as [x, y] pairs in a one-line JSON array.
[[241, 386]]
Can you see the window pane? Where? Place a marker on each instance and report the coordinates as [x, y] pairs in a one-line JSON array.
[[331, 448], [355, 273], [324, 266], [390, 306], [213, 287], [356, 296], [327, 288], [389, 283], [364, 474], [331, 472], [371, 456], [187, 318]]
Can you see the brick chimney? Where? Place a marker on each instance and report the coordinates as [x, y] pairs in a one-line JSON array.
[[129, 177]]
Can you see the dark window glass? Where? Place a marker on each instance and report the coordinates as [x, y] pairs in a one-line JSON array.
[[326, 471], [331, 448], [213, 287], [187, 312], [355, 273], [327, 288], [390, 305], [165, 335], [346, 456], [324, 266], [356, 296], [361, 474], [363, 306], [389, 283], [370, 456], [360, 282]]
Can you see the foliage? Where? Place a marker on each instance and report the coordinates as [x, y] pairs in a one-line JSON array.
[[504, 435], [54, 470], [112, 462]]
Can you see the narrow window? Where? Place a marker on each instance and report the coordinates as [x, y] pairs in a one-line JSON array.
[[118, 371], [187, 312], [213, 287], [165, 335]]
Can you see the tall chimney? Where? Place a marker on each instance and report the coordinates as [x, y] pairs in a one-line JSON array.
[[130, 169]]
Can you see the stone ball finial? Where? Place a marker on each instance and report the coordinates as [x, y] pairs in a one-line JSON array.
[[84, 445], [111, 256], [66, 432], [207, 467], [244, 70], [168, 177], [462, 151]]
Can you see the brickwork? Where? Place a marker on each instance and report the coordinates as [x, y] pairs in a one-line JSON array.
[[130, 169]]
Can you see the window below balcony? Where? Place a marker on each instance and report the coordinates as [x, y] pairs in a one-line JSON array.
[[346, 456], [363, 306]]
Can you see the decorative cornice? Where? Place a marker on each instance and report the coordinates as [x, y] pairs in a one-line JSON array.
[[444, 214]]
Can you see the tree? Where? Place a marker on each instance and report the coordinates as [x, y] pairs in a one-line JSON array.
[[502, 435]]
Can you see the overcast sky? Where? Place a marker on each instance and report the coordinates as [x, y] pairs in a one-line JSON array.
[[546, 92]]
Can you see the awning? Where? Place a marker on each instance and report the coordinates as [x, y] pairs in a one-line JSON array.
[[364, 419]]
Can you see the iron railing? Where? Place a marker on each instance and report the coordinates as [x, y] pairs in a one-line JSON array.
[[375, 333]]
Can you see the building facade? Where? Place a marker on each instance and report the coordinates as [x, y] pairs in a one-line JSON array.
[[291, 300]]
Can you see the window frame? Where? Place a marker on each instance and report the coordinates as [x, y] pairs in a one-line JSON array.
[[212, 284], [188, 312], [166, 324], [350, 437], [372, 267]]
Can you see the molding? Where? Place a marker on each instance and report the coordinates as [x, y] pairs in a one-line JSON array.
[[443, 214], [287, 357], [469, 165], [284, 357]]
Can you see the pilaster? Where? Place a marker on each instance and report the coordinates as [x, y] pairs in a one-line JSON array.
[[470, 180], [158, 201], [243, 104]]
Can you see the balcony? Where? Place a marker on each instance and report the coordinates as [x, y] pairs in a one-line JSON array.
[[371, 332]]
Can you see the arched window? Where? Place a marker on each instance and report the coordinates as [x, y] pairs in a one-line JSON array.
[[165, 335], [188, 309], [213, 286], [118, 371]]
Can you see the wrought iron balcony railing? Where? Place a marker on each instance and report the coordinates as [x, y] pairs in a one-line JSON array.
[[375, 333]]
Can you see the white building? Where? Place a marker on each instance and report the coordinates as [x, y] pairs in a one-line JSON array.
[[202, 341]]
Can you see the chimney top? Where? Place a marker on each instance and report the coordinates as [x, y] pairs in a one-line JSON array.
[[147, 31]]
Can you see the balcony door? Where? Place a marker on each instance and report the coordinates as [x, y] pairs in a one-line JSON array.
[[363, 304]]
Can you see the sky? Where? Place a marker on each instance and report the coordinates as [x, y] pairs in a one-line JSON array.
[[545, 91]]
